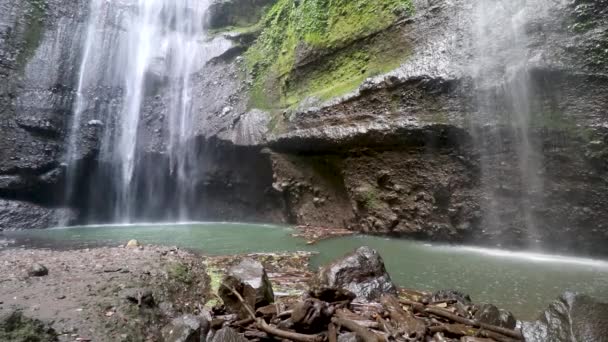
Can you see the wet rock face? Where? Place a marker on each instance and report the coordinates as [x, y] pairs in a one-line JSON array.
[[573, 317], [224, 13], [249, 278], [16, 215], [362, 273], [38, 64]]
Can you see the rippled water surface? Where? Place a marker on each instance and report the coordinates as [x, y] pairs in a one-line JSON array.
[[521, 282]]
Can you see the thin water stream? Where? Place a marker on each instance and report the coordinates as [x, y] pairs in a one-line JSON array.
[[524, 283]]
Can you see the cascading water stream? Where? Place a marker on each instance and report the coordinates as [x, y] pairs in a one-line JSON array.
[[506, 105], [137, 52]]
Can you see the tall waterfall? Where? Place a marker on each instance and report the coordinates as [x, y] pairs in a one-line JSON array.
[[139, 54], [506, 107]]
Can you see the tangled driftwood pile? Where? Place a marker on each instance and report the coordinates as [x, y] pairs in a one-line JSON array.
[[391, 319], [353, 299]]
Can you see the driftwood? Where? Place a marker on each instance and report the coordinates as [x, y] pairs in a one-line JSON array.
[[262, 325], [361, 331], [446, 314], [390, 319]]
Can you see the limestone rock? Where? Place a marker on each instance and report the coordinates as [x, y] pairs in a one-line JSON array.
[[187, 328], [38, 270], [361, 272], [249, 278], [572, 317]]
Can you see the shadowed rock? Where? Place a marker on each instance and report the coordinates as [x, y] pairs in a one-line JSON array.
[[249, 278], [572, 317], [361, 272]]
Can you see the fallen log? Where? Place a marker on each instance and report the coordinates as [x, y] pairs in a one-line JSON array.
[[446, 314], [332, 333], [362, 332]]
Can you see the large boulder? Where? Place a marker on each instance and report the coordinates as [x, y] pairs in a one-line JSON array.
[[188, 328], [362, 272], [250, 280], [572, 317]]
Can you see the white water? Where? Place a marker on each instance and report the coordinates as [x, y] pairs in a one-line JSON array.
[[137, 52], [501, 69]]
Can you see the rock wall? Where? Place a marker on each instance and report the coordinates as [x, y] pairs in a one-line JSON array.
[[39, 47]]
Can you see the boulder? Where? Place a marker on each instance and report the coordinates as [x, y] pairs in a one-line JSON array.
[[362, 272], [188, 328], [38, 270], [490, 314], [250, 280], [572, 317], [227, 335]]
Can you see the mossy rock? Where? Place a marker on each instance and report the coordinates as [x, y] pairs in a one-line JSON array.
[[323, 49]]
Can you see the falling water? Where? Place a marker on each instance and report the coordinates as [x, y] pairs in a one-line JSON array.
[[137, 52], [506, 105]]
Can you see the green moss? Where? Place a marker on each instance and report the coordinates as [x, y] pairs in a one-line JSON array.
[[321, 48], [34, 30], [180, 272], [215, 275], [371, 198]]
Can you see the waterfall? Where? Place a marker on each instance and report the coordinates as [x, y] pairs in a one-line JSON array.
[[510, 151], [140, 61]]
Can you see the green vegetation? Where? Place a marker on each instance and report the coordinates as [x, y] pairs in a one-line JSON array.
[[323, 48], [370, 198], [215, 275], [34, 30], [180, 272]]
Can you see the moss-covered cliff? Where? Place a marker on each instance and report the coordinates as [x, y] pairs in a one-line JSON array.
[[322, 48]]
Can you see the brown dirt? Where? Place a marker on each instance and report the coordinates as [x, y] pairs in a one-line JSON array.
[[84, 294]]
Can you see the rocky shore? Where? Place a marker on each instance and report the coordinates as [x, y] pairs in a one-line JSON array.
[[136, 293]]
